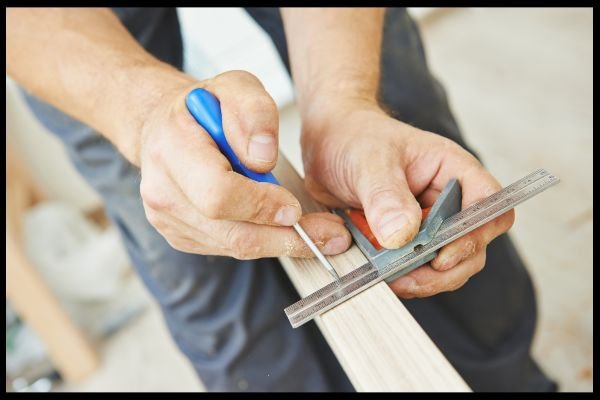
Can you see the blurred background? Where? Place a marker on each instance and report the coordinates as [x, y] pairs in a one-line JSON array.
[[520, 82]]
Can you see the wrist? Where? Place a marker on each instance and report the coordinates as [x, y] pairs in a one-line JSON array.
[[149, 88], [326, 112], [322, 96]]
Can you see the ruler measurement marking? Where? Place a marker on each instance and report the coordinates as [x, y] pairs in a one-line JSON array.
[[453, 227], [344, 281], [520, 184]]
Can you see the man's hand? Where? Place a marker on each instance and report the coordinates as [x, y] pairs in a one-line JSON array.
[[356, 155], [190, 193], [195, 200]]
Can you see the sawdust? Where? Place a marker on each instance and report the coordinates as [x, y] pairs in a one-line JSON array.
[[469, 249], [293, 246]]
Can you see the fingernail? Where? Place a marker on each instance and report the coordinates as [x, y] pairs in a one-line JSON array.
[[262, 148], [447, 261], [406, 284], [452, 259], [391, 223], [334, 246], [446, 266], [286, 216], [442, 261]]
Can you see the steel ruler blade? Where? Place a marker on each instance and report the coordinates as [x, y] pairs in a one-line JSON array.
[[451, 229]]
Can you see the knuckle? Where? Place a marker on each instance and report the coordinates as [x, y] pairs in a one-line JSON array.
[[458, 285], [238, 74], [264, 103], [259, 104], [260, 211], [212, 207], [146, 189], [158, 200], [245, 252], [214, 203], [508, 220], [158, 223], [178, 244], [428, 289], [155, 151], [480, 263], [154, 220], [244, 246], [257, 214], [469, 161], [476, 164], [450, 144], [457, 150], [184, 121], [472, 162], [479, 266], [242, 254], [154, 197]]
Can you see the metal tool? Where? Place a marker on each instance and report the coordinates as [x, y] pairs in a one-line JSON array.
[[444, 224], [207, 111]]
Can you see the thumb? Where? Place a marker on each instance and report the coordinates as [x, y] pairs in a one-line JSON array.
[[250, 118], [392, 211]]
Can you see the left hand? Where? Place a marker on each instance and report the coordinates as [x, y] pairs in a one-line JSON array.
[[356, 155]]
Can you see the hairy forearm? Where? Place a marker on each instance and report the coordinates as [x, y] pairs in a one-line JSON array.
[[85, 63], [334, 55]]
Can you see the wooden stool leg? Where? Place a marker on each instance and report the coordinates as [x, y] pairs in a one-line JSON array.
[[69, 350], [71, 353]]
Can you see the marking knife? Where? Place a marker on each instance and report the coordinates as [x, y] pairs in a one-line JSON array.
[[443, 223], [206, 110]]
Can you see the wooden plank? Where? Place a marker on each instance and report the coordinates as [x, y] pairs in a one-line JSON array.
[[68, 348], [70, 351], [376, 340]]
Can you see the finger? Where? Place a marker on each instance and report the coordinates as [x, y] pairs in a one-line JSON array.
[[250, 118], [426, 281], [428, 197], [476, 183], [327, 231], [250, 241], [207, 181], [169, 211], [182, 236], [457, 251], [320, 193], [391, 209], [466, 246]]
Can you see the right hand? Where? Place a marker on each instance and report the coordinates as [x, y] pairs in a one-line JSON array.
[[199, 204]]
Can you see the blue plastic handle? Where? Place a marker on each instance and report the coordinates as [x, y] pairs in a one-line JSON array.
[[207, 111]]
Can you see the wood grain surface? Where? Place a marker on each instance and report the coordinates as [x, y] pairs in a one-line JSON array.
[[376, 340]]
